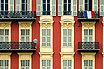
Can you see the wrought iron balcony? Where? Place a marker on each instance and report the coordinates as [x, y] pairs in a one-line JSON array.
[[67, 12], [17, 47], [46, 12], [88, 46], [17, 15], [81, 16]]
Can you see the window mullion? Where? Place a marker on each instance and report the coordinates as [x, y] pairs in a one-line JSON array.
[[67, 5], [46, 5]]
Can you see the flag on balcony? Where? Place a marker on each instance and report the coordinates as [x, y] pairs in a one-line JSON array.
[[89, 14]]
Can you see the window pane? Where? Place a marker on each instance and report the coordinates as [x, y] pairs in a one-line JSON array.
[[2, 1], [6, 1], [48, 7], [44, 1], [69, 7], [1, 32], [65, 7], [48, 1], [23, 1], [65, 1], [22, 32], [69, 1]]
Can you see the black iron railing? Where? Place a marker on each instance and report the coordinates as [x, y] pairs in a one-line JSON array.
[[17, 46], [67, 12], [88, 46], [46, 12], [17, 14]]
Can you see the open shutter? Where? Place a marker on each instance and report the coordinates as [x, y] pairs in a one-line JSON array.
[[38, 5], [101, 7], [53, 7], [74, 7], [59, 7], [17, 5], [80, 5], [64, 37], [95, 5], [11, 5], [0, 5], [43, 37], [69, 37], [28, 5]]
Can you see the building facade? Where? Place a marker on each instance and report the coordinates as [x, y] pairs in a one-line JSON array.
[[70, 34]]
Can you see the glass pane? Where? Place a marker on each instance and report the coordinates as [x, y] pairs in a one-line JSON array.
[[1, 32], [43, 62], [69, 32], [90, 32], [48, 32], [48, 1], [6, 31], [22, 32], [43, 32], [2, 1], [65, 7], [6, 1], [69, 39], [48, 63], [23, 1], [64, 39], [69, 7], [44, 7], [65, 1], [43, 39], [69, 1], [44, 1], [2, 6], [48, 7], [64, 32], [27, 31], [48, 39], [64, 62], [6, 6], [85, 31]]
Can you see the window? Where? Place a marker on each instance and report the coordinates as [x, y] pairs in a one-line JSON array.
[[25, 35], [4, 5], [67, 7], [67, 37], [88, 64], [4, 35], [4, 64], [46, 37], [11, 5], [46, 7], [67, 64], [25, 64], [46, 64], [88, 35], [88, 5]]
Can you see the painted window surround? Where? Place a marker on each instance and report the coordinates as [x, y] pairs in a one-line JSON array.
[[88, 25], [46, 23], [88, 56], [67, 24], [25, 25], [25, 56], [67, 56], [6, 25]]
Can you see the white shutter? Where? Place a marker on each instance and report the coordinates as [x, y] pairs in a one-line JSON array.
[[69, 37], [74, 7], [38, 5], [48, 37], [85, 35], [59, 7], [101, 7], [95, 5], [53, 7], [43, 37], [17, 5], [64, 37], [11, 5], [80, 5], [28, 5]]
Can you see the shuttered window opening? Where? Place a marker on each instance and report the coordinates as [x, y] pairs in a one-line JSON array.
[[46, 64], [88, 35], [11, 5], [101, 7], [46, 37], [4, 35], [88, 64], [25, 35], [67, 64], [3, 5], [67, 37], [17, 7], [4, 64], [25, 64]]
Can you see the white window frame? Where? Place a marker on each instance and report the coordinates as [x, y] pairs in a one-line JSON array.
[[24, 4], [46, 63], [25, 64], [67, 66], [88, 67], [4, 65]]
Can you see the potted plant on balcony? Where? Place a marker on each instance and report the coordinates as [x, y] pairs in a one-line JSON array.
[[80, 14]]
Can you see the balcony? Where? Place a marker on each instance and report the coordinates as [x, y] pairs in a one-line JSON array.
[[17, 47], [67, 12], [46, 12], [17, 15], [82, 17], [88, 46]]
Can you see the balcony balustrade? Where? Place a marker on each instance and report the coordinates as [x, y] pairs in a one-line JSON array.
[[46, 12], [17, 47], [67, 12], [88, 46]]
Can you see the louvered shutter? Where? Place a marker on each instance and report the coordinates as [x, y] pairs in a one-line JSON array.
[[101, 7], [80, 5], [38, 5], [74, 7], [59, 7], [53, 7], [17, 5], [11, 5], [96, 5], [28, 5]]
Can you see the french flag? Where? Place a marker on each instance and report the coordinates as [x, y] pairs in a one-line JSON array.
[[89, 14]]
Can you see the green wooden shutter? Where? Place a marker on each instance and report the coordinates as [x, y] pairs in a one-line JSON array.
[[95, 5], [101, 7], [53, 7], [17, 5], [74, 7], [38, 5], [59, 7], [28, 5], [80, 5]]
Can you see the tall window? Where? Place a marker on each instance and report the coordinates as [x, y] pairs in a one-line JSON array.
[[46, 64], [4, 5], [11, 5], [67, 64], [46, 7], [88, 35], [46, 37], [4, 64], [25, 64], [25, 35], [88, 5], [4, 35], [88, 64], [67, 7], [67, 37]]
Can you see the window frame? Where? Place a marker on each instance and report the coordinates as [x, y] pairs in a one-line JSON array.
[[25, 64], [4, 65], [46, 60], [88, 64], [67, 62]]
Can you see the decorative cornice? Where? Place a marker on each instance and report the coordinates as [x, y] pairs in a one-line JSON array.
[[30, 53], [46, 53], [5, 24], [25, 24], [88, 24], [6, 53], [67, 53], [88, 53]]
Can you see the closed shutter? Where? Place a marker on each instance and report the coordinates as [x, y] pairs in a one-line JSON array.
[[38, 5], [28, 5], [95, 5], [74, 7], [53, 7], [80, 5], [59, 7], [101, 7], [11, 5], [17, 5]]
